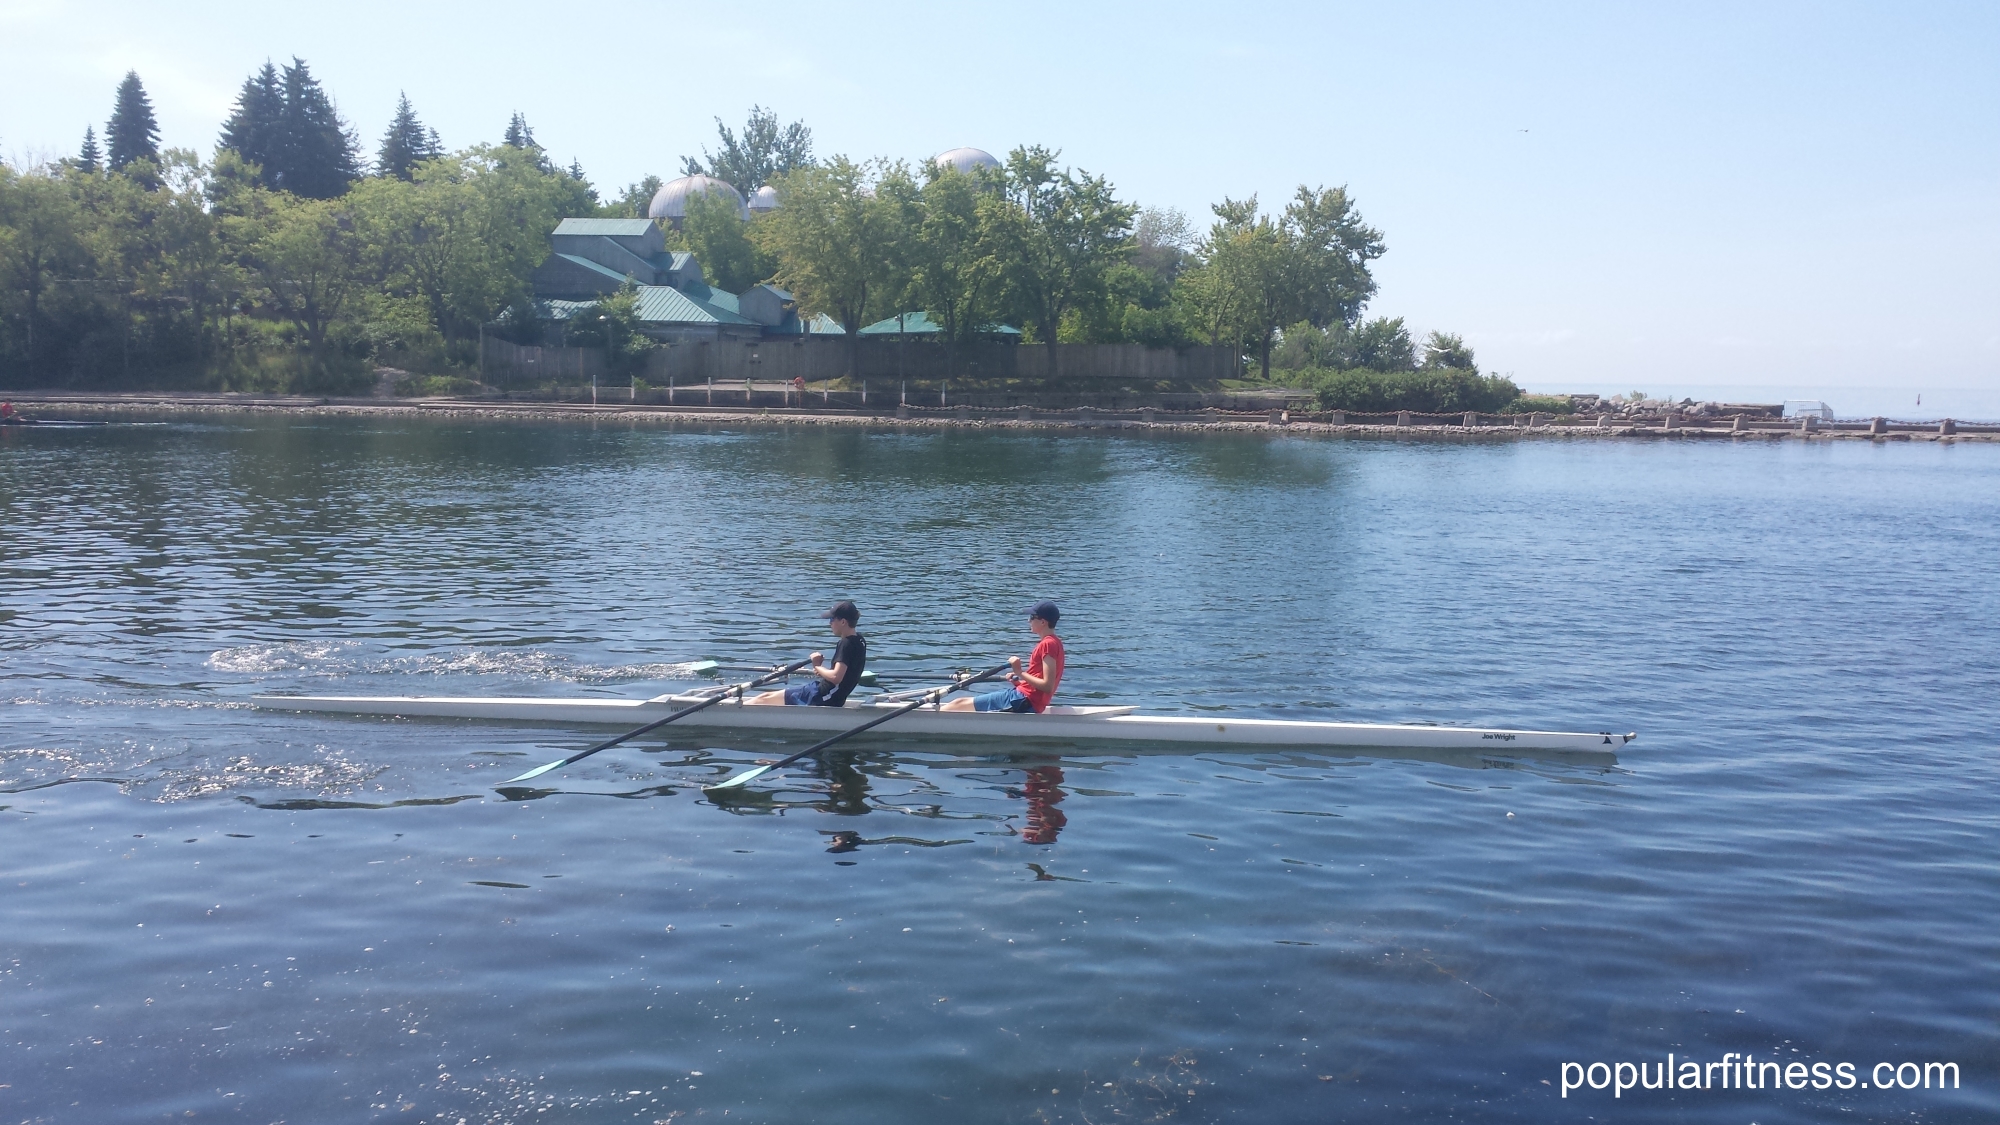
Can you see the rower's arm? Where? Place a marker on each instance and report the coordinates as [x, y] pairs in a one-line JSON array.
[[1042, 682], [831, 675]]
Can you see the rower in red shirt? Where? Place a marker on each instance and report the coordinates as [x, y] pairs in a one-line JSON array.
[[1034, 686]]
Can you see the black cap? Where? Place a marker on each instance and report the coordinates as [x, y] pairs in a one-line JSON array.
[[845, 611], [1047, 611]]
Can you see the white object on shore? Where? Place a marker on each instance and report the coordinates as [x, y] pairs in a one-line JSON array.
[[1058, 724]]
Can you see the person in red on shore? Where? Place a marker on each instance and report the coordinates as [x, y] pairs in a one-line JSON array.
[[1033, 686]]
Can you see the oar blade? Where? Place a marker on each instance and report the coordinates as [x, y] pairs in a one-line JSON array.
[[739, 781], [536, 772]]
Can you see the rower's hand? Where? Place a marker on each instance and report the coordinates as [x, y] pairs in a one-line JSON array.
[[1016, 662], [817, 659]]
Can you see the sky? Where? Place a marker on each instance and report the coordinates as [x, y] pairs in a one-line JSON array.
[[1599, 197]]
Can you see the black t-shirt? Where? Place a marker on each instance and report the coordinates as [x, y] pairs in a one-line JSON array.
[[853, 652]]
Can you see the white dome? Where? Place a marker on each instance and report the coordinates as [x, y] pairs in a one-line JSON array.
[[966, 159], [764, 199], [670, 202]]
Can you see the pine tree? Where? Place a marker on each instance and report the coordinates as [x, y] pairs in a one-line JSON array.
[[252, 128], [518, 133], [317, 155], [132, 133], [89, 157], [406, 144]]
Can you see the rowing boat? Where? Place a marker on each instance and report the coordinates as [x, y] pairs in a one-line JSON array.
[[1058, 723]]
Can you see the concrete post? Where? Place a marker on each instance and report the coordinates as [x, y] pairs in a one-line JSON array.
[[1737, 426], [902, 410], [1878, 426], [1947, 428], [1808, 424], [1277, 417], [1146, 415], [1471, 419], [1402, 418], [1214, 415], [1671, 422], [1083, 415], [1604, 421], [1025, 413], [1337, 418]]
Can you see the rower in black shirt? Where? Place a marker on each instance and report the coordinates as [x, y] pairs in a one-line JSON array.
[[831, 683]]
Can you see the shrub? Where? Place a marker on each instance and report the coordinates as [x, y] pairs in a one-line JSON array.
[[1443, 390], [1540, 404]]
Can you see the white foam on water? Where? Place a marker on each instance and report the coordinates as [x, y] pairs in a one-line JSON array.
[[322, 658], [338, 659]]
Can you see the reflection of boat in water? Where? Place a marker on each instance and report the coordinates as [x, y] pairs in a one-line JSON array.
[[1058, 727]]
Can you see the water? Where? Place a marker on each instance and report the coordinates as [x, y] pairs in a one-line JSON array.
[[213, 913]]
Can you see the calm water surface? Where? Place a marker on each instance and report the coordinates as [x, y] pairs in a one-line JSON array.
[[213, 913]]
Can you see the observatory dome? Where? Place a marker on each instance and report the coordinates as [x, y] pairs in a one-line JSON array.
[[966, 159], [765, 199], [670, 202]]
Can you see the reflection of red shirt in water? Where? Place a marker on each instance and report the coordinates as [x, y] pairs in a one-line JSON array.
[[1042, 789], [1048, 655]]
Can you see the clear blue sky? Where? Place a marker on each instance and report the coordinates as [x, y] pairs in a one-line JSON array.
[[1598, 196]]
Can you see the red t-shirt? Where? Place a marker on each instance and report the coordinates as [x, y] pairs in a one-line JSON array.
[[1046, 660]]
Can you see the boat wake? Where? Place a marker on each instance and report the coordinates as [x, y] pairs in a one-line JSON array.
[[338, 659]]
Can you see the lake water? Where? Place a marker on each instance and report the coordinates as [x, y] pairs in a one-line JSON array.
[[211, 913]]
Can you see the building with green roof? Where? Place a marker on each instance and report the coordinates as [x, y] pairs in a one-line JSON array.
[[590, 258]]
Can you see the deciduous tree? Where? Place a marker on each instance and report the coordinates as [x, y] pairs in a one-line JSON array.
[[1066, 232], [834, 239], [762, 154]]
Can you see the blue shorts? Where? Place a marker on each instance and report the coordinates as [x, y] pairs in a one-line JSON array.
[[806, 695], [1006, 699]]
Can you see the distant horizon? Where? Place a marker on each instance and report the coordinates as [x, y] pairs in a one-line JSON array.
[[1794, 196]]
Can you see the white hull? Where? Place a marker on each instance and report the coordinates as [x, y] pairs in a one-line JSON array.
[[1059, 724]]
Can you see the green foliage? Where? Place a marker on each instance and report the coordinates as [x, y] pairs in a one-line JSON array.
[[1381, 344], [1430, 391], [406, 144], [89, 157], [714, 231], [1539, 404], [613, 324], [833, 240], [952, 254], [1447, 349], [1260, 272], [285, 124], [634, 201], [132, 133], [763, 154], [1064, 233], [426, 386]]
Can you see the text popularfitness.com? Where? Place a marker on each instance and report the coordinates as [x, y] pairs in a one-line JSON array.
[[1745, 1072]]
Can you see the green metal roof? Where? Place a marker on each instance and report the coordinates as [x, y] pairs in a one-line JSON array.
[[609, 228], [586, 263], [921, 324], [663, 304]]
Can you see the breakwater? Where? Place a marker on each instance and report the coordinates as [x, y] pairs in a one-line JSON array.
[[1335, 423]]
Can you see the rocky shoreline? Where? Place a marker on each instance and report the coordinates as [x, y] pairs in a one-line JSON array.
[[79, 406]]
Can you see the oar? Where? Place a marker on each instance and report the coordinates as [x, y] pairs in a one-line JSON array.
[[736, 690], [932, 697]]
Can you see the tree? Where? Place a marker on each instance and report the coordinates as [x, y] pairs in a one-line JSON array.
[[1163, 241], [406, 144], [309, 262], [132, 133], [1383, 344], [1332, 248], [634, 201], [832, 237], [45, 238], [1068, 231], [252, 130], [1447, 350], [763, 153], [714, 231], [950, 253], [89, 157], [612, 323], [286, 125], [1259, 273], [318, 155], [518, 134]]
